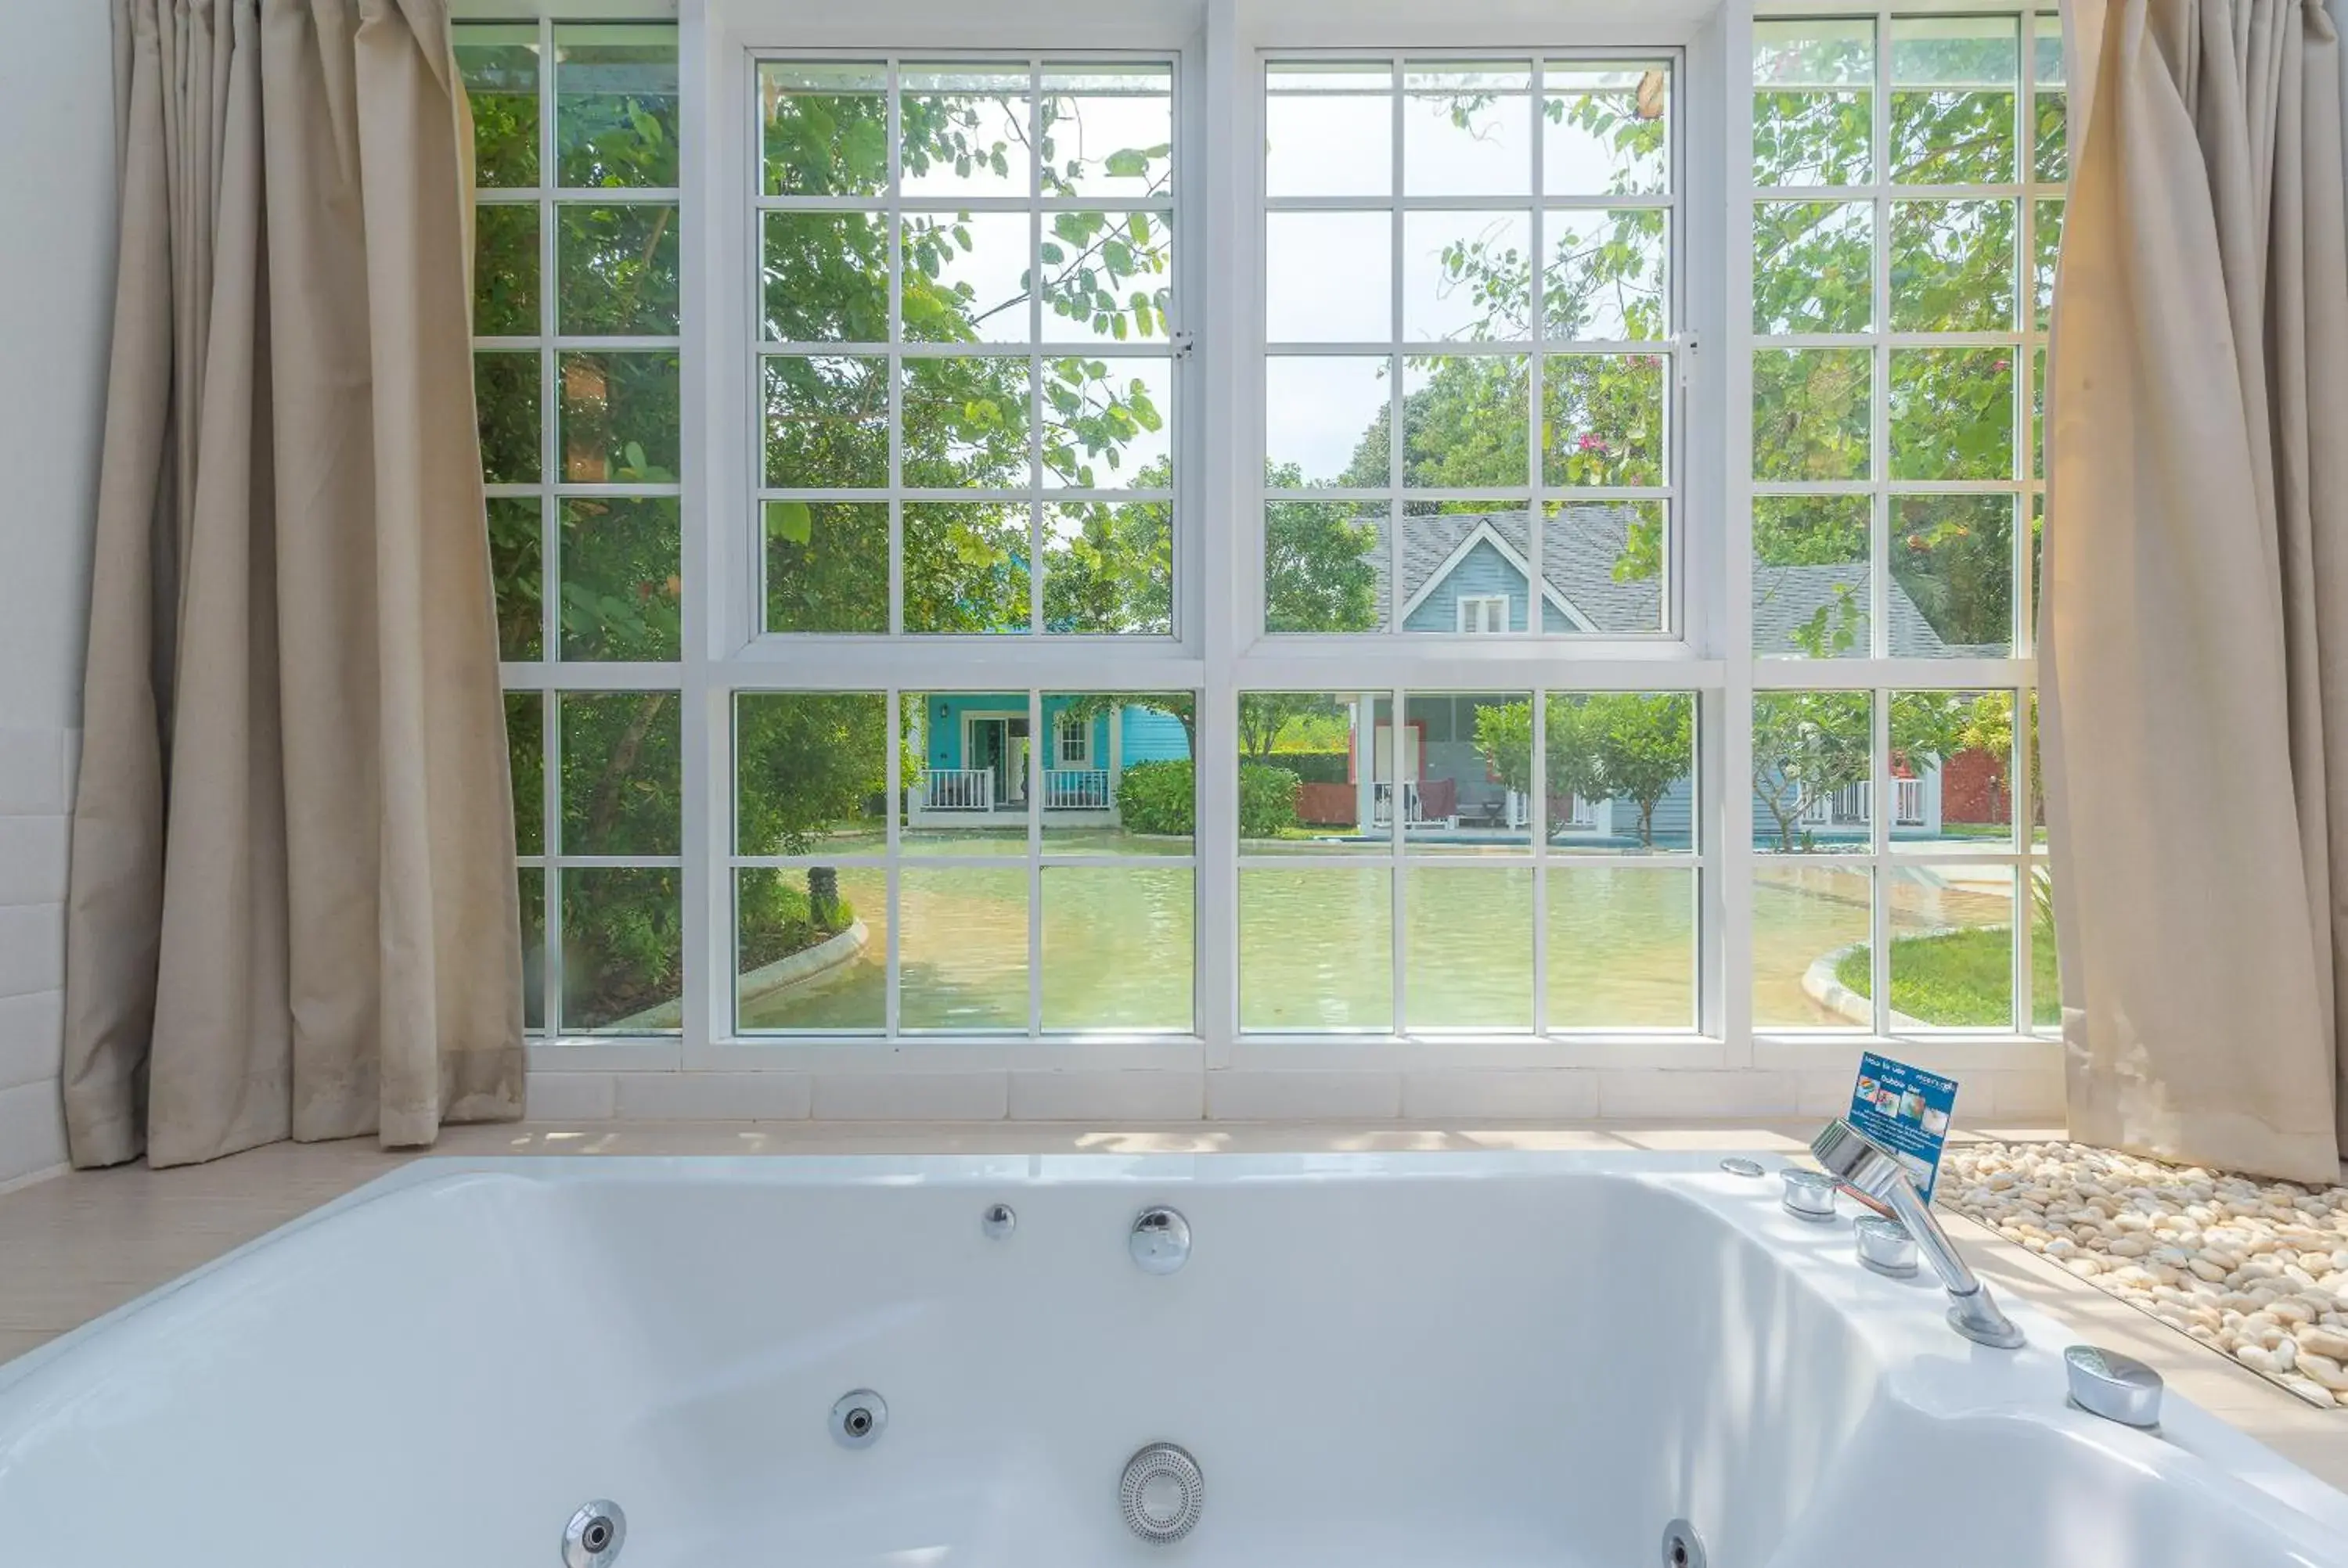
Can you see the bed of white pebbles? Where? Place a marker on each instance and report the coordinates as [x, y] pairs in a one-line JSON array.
[[2257, 1269]]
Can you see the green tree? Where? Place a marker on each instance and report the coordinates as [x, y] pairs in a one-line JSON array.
[[1806, 746], [1607, 745]]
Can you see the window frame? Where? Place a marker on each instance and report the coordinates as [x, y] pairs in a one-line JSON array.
[[1218, 649]]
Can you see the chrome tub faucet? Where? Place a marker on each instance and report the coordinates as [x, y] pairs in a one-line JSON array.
[[1870, 1169]]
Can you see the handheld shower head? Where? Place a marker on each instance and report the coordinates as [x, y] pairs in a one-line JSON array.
[[1874, 1174]]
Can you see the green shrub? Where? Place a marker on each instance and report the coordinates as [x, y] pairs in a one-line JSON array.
[[1267, 801], [1159, 797], [1317, 767]]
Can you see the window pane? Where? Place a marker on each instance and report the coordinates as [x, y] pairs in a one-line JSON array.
[[617, 270], [621, 790], [1109, 130], [1951, 769], [505, 385], [1326, 423], [826, 276], [622, 950], [2051, 160], [1951, 948], [1952, 413], [1302, 788], [1953, 562], [1621, 949], [2046, 250], [825, 127], [526, 746], [962, 948], [1328, 277], [1810, 417], [1325, 566], [1812, 771], [965, 131], [1953, 266], [505, 269], [966, 423], [1108, 567], [1316, 949], [969, 768], [1603, 422], [1952, 86], [826, 566], [1806, 920], [499, 65], [1813, 114], [1108, 423], [2045, 975], [1469, 947], [1329, 130], [621, 585], [1465, 275], [967, 566], [1465, 421], [1810, 575], [1620, 768], [516, 568], [1118, 947], [2038, 413], [1813, 266], [811, 947], [615, 105], [531, 888], [1607, 274], [811, 773], [965, 277], [620, 417], [1603, 563], [1470, 791], [1463, 567], [1467, 128], [1605, 128], [1108, 276], [1117, 778], [827, 421]]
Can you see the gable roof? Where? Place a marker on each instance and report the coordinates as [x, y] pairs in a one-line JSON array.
[[1579, 546]]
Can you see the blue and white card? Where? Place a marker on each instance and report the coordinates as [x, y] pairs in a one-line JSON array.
[[1906, 1110]]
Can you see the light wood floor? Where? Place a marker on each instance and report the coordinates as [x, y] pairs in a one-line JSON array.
[[78, 1246]]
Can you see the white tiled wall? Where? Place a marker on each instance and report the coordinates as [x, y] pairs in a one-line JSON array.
[[36, 795]]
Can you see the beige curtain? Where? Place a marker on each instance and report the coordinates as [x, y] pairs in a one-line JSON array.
[[293, 908], [2194, 629]]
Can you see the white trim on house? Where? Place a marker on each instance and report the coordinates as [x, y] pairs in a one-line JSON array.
[[1484, 532]]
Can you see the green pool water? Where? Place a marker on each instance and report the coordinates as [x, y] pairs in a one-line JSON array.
[[1316, 945]]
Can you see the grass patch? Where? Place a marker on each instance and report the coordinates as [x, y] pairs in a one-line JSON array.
[[1960, 980]]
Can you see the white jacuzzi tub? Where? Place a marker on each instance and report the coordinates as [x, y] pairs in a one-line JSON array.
[[1490, 1360]]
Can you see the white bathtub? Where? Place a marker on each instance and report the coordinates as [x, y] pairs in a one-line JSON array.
[[1492, 1361]]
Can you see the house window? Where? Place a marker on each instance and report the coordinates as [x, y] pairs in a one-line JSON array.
[[936, 604], [1484, 613], [1469, 303]]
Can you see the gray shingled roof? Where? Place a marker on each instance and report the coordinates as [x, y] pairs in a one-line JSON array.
[[1579, 546]]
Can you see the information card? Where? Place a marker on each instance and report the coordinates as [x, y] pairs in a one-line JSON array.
[[1906, 1110]]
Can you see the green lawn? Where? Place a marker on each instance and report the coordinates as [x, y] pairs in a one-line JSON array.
[[1959, 979]]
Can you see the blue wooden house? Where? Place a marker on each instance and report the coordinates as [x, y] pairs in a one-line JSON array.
[[979, 760]]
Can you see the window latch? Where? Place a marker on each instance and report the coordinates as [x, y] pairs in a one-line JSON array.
[[1184, 341]]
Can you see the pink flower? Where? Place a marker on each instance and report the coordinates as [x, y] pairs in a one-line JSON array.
[[1592, 442]]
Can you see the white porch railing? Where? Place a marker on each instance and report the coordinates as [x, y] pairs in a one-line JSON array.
[[1382, 806], [1579, 813], [1907, 802], [958, 789], [1075, 789], [1853, 806]]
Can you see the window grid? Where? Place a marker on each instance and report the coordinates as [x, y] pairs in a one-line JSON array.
[[1888, 862], [1397, 499], [896, 350]]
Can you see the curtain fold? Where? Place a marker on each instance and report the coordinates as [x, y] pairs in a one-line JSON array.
[[2194, 618], [291, 910]]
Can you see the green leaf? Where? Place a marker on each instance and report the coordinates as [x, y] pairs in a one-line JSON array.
[[791, 521], [1126, 163]]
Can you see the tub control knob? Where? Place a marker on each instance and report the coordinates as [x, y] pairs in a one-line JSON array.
[[2115, 1386], [1885, 1246], [1809, 1194], [1160, 1241]]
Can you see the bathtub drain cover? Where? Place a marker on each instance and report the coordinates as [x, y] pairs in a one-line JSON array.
[[1162, 1493]]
